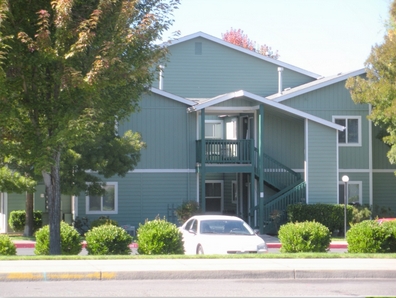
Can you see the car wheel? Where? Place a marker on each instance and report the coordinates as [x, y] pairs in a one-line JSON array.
[[200, 250]]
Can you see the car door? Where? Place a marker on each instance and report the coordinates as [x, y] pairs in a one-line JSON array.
[[189, 236]]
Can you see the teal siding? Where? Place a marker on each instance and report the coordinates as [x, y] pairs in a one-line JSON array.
[[168, 130], [284, 139], [144, 196], [384, 191], [322, 164], [220, 70], [332, 101]]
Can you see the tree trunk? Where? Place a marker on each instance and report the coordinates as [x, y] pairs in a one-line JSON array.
[[52, 183], [28, 232]]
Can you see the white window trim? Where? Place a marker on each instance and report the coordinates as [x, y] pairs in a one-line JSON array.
[[115, 211], [222, 196], [354, 183], [359, 118], [221, 128]]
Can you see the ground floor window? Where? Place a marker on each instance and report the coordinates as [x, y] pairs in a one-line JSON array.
[[213, 196], [354, 191], [106, 203]]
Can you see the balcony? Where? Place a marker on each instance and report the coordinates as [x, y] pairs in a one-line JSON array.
[[226, 151]]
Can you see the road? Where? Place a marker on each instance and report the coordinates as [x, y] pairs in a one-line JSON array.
[[201, 288]]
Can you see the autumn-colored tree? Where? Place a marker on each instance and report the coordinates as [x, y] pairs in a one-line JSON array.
[[239, 38], [378, 86], [69, 71]]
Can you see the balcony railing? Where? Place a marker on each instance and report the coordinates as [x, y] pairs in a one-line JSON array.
[[226, 151]]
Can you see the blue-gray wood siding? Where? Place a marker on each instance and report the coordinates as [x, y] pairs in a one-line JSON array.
[[168, 131], [335, 100], [144, 196], [219, 69], [384, 192], [322, 164]]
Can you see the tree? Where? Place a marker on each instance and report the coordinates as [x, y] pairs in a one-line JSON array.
[[70, 71], [239, 38], [378, 87]]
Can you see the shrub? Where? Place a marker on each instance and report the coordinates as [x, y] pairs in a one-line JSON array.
[[108, 239], [17, 220], [103, 220], [359, 214], [81, 224], [7, 247], [304, 237], [369, 236], [159, 237], [330, 215], [186, 210], [70, 240]]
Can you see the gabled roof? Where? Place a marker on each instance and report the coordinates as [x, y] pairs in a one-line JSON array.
[[243, 50], [314, 85], [241, 93], [172, 96]]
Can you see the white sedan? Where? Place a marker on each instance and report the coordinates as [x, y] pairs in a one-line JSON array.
[[220, 234]]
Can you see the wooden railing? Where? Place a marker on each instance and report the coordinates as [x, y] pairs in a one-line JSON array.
[[226, 151]]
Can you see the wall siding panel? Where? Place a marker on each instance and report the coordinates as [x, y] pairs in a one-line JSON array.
[[322, 165]]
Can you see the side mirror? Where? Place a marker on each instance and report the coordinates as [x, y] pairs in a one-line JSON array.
[[257, 231]]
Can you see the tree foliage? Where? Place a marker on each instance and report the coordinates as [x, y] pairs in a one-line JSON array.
[[69, 72], [239, 38], [378, 87]]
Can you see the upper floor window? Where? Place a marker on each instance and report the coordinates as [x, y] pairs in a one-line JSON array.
[[351, 136], [106, 203], [213, 129]]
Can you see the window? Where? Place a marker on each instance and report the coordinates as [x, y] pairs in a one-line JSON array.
[[213, 129], [214, 196], [351, 136], [106, 203], [354, 192]]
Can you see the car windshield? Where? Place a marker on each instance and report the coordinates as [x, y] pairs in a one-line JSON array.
[[218, 226]]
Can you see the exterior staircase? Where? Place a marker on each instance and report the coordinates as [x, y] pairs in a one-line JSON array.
[[290, 190]]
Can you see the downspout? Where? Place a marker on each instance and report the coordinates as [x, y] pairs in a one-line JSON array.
[[280, 70], [161, 78]]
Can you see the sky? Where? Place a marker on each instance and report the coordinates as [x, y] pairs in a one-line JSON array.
[[325, 37]]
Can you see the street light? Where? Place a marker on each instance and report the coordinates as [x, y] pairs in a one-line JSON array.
[[345, 179]]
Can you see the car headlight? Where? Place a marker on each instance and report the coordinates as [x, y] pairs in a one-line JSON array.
[[262, 248]]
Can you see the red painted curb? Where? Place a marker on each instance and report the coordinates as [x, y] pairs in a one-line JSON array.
[[32, 245]]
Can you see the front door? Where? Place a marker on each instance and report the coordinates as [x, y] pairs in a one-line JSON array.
[[214, 196]]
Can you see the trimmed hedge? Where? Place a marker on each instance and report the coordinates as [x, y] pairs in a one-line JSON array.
[[7, 247], [103, 220], [159, 237], [330, 215], [372, 237], [304, 237], [108, 239], [17, 220], [70, 240]]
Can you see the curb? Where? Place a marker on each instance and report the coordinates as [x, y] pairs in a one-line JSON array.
[[134, 245]]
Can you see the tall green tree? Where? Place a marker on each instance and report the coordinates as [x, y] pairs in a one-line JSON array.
[[378, 87], [70, 70]]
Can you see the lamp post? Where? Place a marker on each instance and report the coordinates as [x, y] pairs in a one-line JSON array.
[[345, 179]]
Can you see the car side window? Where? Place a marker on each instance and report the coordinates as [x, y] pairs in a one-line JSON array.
[[194, 226], [188, 224]]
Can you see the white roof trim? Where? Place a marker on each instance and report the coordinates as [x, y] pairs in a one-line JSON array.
[[240, 93], [172, 96], [314, 85], [243, 50]]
